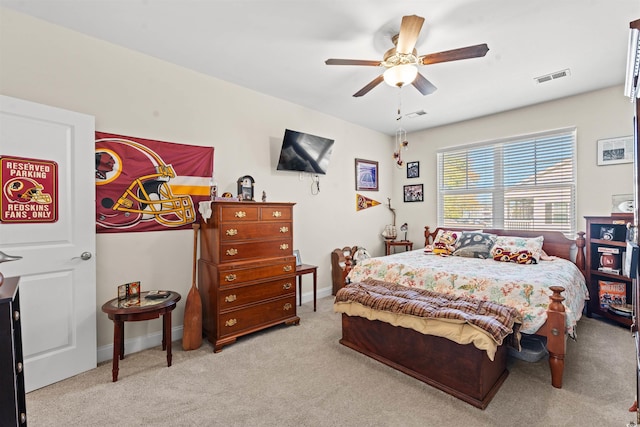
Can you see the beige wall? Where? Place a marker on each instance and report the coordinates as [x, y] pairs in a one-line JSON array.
[[596, 115], [136, 95]]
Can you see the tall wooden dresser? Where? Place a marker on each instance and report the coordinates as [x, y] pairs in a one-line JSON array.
[[246, 270]]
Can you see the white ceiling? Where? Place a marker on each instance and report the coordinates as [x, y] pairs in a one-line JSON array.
[[278, 47]]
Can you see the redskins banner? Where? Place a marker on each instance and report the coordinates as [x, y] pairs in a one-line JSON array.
[[146, 185], [29, 190], [363, 202]]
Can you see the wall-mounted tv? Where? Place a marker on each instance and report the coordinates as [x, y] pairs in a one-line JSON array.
[[302, 152]]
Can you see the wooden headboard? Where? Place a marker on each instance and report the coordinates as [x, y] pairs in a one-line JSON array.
[[555, 243]]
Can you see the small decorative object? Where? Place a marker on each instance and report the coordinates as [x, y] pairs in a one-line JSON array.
[[296, 252], [366, 175], [129, 290], [404, 227], [613, 151], [363, 202], [413, 169], [607, 233], [264, 196], [393, 211], [622, 203], [157, 294], [389, 232], [413, 193], [245, 188]]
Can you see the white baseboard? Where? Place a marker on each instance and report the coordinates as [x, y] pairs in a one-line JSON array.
[[133, 345]]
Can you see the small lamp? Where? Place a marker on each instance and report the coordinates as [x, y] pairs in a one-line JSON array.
[[404, 227]]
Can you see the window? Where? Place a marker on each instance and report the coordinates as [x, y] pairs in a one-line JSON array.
[[525, 183]]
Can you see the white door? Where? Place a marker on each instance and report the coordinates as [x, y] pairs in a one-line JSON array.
[[58, 268]]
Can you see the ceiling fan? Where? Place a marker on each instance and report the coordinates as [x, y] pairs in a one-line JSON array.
[[402, 60]]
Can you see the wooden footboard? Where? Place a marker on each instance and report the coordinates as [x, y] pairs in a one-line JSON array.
[[554, 329], [462, 371]]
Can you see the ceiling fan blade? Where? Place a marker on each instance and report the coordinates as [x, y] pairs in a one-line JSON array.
[[409, 32], [333, 61], [423, 85], [455, 54], [373, 83]]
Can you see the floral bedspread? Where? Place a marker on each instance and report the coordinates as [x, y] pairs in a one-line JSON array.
[[522, 286]]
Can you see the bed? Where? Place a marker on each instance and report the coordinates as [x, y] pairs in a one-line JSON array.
[[549, 295]]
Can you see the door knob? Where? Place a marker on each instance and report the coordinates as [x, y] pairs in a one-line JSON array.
[[84, 256]]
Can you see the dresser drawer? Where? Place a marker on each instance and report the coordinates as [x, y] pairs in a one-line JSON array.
[[248, 212], [241, 251], [240, 273], [231, 298], [254, 230], [276, 213], [256, 315]]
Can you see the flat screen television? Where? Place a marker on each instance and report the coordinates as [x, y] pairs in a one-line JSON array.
[[303, 152]]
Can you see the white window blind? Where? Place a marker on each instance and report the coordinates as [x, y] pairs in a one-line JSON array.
[[524, 183]]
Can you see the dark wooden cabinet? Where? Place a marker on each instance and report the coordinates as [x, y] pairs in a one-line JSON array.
[[246, 270], [606, 243], [12, 392]]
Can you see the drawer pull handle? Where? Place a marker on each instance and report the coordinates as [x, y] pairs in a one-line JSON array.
[[286, 286], [240, 214], [230, 322], [284, 229], [229, 277], [230, 298], [284, 246], [16, 315], [276, 214], [287, 268], [19, 367], [287, 306], [231, 232], [232, 252]]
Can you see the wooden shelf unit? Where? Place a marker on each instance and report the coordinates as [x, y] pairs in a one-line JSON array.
[[595, 224]]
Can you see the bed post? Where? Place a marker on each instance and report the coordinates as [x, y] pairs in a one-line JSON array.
[[556, 336], [580, 243]]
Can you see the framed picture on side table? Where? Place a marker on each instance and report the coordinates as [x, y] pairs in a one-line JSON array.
[[296, 252]]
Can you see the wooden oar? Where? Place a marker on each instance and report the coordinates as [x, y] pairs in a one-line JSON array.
[[192, 332]]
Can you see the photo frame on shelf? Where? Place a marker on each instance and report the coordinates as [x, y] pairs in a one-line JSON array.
[[613, 151], [413, 193], [366, 175], [296, 253], [413, 169], [622, 203]]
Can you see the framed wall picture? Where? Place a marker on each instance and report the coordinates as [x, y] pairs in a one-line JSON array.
[[366, 175], [413, 169], [613, 151], [413, 193]]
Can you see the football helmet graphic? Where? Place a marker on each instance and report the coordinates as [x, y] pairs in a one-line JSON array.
[[26, 190], [132, 185]]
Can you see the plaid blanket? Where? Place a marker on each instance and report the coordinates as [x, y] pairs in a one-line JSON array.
[[498, 321]]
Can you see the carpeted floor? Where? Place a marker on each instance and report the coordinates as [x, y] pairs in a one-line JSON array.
[[301, 376]]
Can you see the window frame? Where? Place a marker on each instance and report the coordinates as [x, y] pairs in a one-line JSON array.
[[489, 207]]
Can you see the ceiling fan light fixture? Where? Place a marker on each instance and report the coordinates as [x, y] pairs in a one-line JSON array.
[[400, 75]]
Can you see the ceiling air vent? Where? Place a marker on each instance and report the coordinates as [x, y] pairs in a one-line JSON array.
[[416, 114], [553, 76]]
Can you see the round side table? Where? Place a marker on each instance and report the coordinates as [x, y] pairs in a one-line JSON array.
[[136, 309]]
